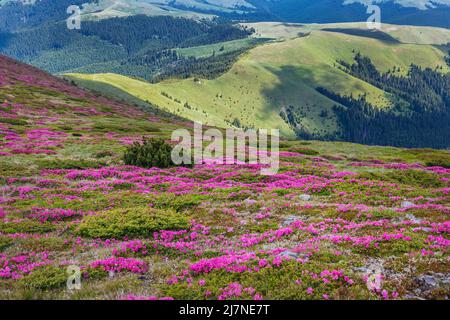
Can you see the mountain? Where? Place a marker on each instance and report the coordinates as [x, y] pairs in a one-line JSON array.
[[15, 14], [409, 12], [51, 122], [138, 46], [297, 84], [333, 215]]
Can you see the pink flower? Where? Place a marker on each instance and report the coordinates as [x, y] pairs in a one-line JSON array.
[[262, 263], [310, 291], [257, 297]]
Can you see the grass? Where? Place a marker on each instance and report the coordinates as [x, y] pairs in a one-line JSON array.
[[217, 48], [276, 75], [203, 230], [403, 33]]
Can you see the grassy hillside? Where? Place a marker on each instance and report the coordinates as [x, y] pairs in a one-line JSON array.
[[46, 122], [217, 48], [403, 33], [122, 8], [333, 216], [280, 74]]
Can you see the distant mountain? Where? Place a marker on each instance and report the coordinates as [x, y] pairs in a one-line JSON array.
[[410, 12], [16, 14], [333, 82]]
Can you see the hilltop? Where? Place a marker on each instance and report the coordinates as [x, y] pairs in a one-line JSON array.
[[275, 85], [46, 122], [411, 12]]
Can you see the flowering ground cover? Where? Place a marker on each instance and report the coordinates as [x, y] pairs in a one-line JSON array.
[[338, 221]]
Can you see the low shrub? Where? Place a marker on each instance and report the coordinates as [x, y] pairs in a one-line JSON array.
[[439, 160], [5, 242], [151, 153], [176, 202], [69, 164], [409, 177], [43, 244], [26, 226], [16, 122], [104, 154], [130, 222], [306, 151], [48, 277]]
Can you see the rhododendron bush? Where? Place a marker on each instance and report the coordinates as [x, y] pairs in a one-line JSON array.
[[338, 221]]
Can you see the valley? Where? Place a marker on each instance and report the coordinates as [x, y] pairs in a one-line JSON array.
[[286, 72], [95, 204]]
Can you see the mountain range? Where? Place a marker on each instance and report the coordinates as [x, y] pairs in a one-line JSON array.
[[18, 13], [210, 61]]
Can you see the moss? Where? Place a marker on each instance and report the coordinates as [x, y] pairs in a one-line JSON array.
[[130, 222]]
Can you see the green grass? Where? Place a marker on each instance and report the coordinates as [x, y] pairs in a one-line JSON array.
[[403, 33], [276, 75], [217, 48]]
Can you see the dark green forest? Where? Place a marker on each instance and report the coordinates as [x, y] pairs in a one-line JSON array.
[[420, 116], [138, 46]]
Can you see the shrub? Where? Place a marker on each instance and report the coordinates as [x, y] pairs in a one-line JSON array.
[[130, 222], [17, 122], [440, 160], [306, 151], [26, 226], [431, 157], [176, 202], [5, 242], [69, 164], [104, 154], [43, 244], [48, 277], [409, 177], [151, 153]]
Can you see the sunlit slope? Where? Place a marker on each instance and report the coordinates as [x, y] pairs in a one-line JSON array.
[[404, 34], [278, 75]]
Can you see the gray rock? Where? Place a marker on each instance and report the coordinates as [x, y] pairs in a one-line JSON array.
[[361, 269], [305, 197], [429, 282], [411, 217], [291, 254], [407, 204], [289, 220]]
